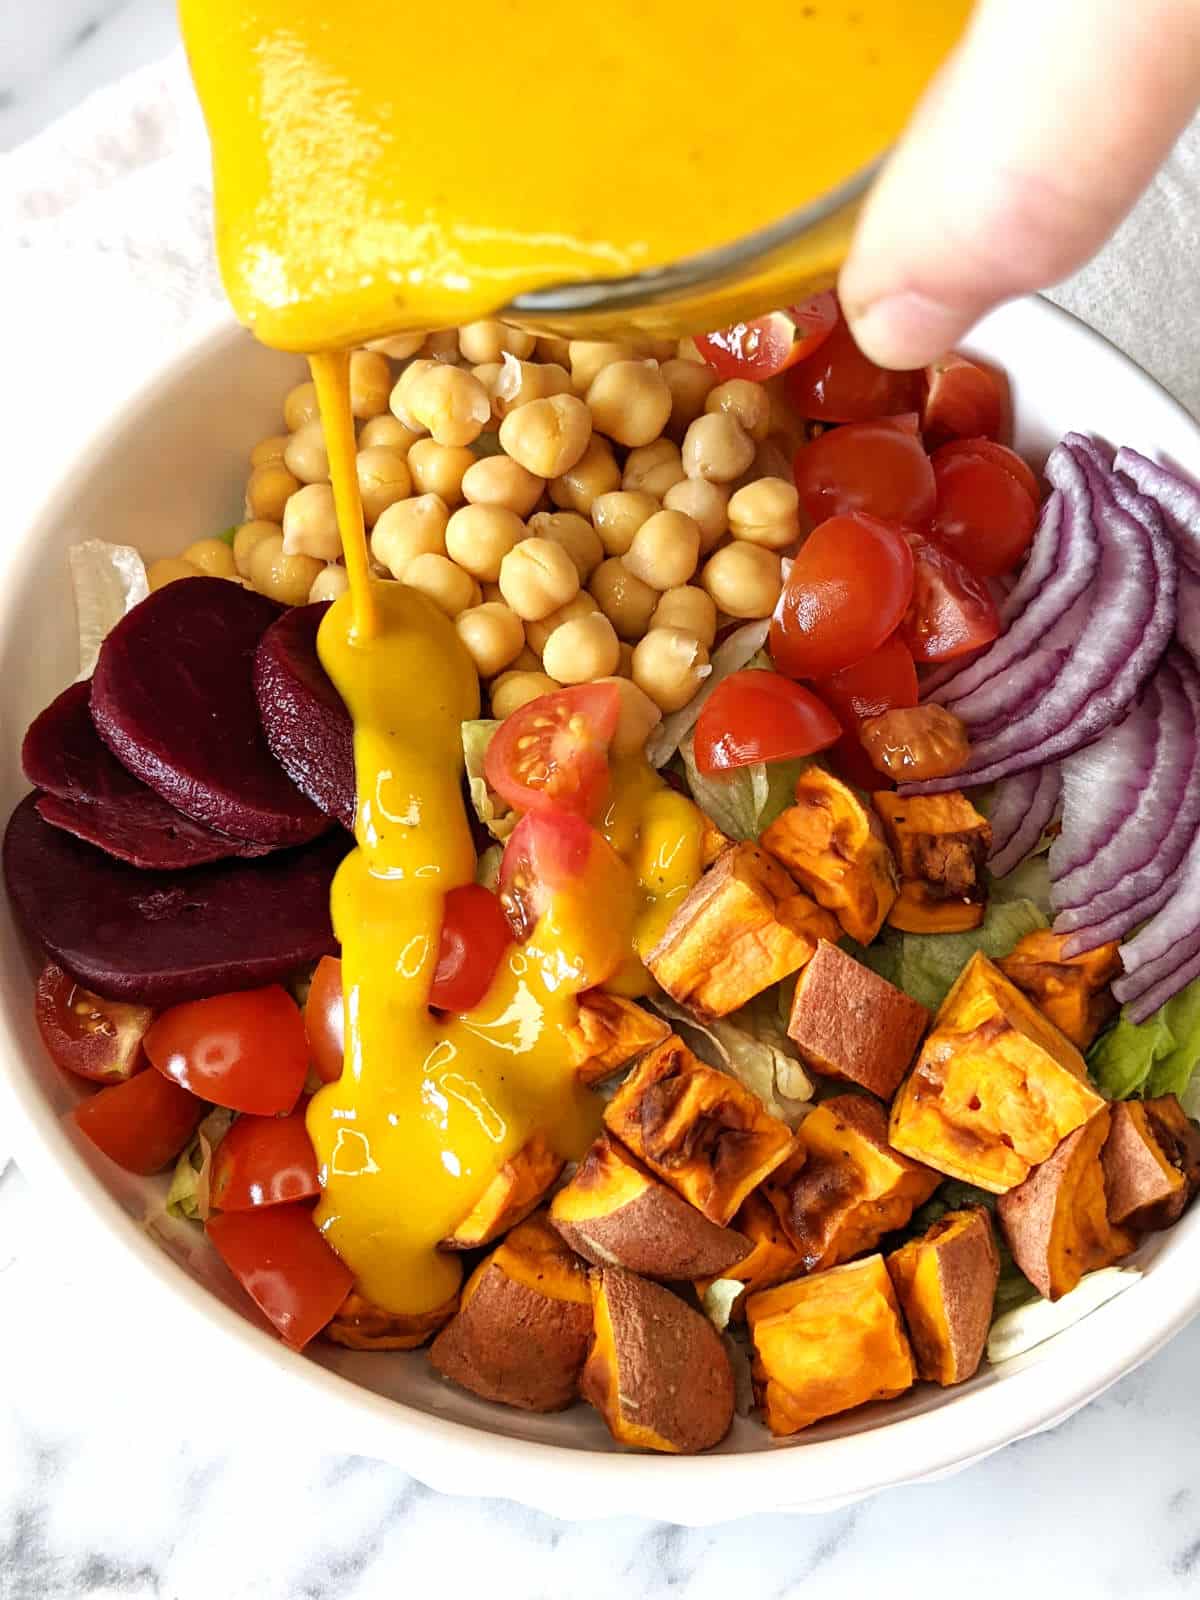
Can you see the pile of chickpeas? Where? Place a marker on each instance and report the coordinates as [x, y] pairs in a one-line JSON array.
[[584, 511]]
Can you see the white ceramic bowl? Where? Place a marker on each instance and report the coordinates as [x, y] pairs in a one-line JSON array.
[[171, 468]]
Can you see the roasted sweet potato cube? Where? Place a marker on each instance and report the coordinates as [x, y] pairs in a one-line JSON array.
[[511, 1195], [1056, 1222], [657, 1371], [946, 1283], [742, 928], [827, 1343], [362, 1325], [918, 908], [614, 1213], [521, 1335], [849, 1023], [1073, 991], [995, 1086], [772, 1258], [609, 1034], [697, 1129], [938, 839], [834, 847], [853, 1187], [1151, 1162]]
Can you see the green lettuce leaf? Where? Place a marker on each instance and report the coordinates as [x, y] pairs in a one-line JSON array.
[[1158, 1056], [489, 807], [744, 802], [188, 1195], [925, 965]]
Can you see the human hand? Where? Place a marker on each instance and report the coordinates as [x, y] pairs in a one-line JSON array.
[[1030, 146]]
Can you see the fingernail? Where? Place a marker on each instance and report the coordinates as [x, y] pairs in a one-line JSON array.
[[906, 330]]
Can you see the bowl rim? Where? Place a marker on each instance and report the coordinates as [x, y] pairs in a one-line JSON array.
[[464, 1458]]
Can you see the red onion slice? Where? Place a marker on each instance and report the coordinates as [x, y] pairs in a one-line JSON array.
[[1187, 623], [1177, 498], [1024, 807], [1143, 1006]]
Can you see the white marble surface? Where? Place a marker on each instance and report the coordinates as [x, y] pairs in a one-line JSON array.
[[122, 1475]]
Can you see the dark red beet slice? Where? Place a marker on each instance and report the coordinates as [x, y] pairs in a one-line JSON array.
[[90, 794], [173, 699], [157, 938], [306, 723]]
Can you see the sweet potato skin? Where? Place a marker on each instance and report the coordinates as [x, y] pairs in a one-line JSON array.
[[849, 1023], [1073, 991], [946, 1284], [1151, 1162], [610, 1033], [514, 1192], [361, 1325]]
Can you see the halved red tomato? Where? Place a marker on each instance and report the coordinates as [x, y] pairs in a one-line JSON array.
[[264, 1161], [770, 344], [883, 681], [553, 752], [760, 716], [866, 466], [848, 589], [325, 1020], [839, 384], [277, 1255], [952, 611], [475, 935], [86, 1034], [245, 1051], [141, 1124], [989, 450], [983, 514], [964, 399]]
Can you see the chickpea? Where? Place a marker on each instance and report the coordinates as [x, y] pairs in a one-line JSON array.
[[383, 478], [386, 432], [329, 585], [595, 473], [445, 401], [213, 557], [268, 450], [448, 586], [766, 512], [706, 503], [690, 383], [410, 528], [526, 662], [669, 666], [493, 635], [625, 660], [576, 535], [665, 550], [581, 650], [687, 350], [689, 609], [550, 348], [488, 374], [630, 402], [717, 447], [520, 382], [491, 592], [501, 481], [169, 569], [652, 348], [310, 525], [268, 490], [653, 468], [638, 717], [536, 577], [280, 576], [536, 633], [512, 690], [248, 536], [300, 406], [744, 579], [547, 436], [618, 516], [370, 383], [306, 455], [479, 342], [625, 600], [440, 469], [479, 538], [747, 403], [588, 356], [441, 345], [399, 346]]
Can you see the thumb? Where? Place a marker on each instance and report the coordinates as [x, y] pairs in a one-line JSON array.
[[1035, 139]]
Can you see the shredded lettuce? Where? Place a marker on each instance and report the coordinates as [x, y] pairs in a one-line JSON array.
[[744, 802], [1025, 1327], [718, 1299], [1158, 1056], [925, 965], [108, 580], [487, 868], [489, 808], [188, 1195], [751, 1046]]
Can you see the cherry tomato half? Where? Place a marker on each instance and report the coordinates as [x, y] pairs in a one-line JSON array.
[[264, 1161], [839, 384], [886, 680], [848, 589], [770, 344], [85, 1034], [952, 611], [964, 399], [983, 514], [989, 450], [553, 752], [325, 1020], [760, 716], [244, 1051], [475, 935], [141, 1124], [866, 466], [285, 1266]]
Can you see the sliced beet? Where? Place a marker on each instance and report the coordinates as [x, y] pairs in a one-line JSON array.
[[307, 726], [90, 794], [156, 938], [173, 698]]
